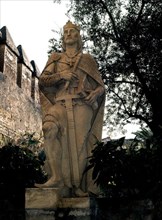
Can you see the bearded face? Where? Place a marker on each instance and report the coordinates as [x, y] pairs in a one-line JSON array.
[[71, 36]]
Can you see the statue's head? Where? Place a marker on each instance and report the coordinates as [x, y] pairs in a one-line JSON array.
[[71, 35]]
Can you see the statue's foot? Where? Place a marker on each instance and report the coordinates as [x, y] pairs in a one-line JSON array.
[[79, 193], [50, 184]]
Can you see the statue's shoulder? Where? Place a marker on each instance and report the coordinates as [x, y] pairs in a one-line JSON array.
[[88, 58], [55, 56]]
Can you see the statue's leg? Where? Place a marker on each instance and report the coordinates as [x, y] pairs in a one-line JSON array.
[[53, 152]]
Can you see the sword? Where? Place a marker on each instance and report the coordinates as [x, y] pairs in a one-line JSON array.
[[73, 152]]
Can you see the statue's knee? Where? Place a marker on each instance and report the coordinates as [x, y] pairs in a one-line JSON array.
[[50, 129]]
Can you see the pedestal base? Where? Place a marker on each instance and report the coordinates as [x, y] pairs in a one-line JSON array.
[[41, 198], [46, 204]]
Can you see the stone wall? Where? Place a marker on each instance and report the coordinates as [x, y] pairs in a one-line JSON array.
[[19, 106]]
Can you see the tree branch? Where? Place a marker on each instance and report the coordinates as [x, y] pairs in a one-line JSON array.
[[134, 26], [130, 114], [111, 18]]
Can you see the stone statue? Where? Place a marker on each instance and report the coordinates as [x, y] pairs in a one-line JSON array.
[[72, 100]]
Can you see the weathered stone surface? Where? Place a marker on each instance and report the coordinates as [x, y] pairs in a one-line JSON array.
[[17, 111], [81, 203], [46, 204], [46, 198], [49, 198], [9, 64], [40, 215], [59, 214], [19, 106]]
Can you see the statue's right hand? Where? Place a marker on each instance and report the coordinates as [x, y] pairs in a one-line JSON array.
[[68, 76]]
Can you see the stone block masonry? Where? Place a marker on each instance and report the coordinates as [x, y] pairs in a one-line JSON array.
[[19, 93]]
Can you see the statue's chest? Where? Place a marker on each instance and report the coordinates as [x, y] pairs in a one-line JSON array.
[[67, 63]]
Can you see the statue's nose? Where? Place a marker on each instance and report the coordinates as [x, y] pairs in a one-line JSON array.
[[69, 32]]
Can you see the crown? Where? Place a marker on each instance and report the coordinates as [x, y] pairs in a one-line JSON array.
[[69, 24]]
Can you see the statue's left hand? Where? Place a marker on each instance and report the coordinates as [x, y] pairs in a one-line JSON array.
[[91, 98], [93, 95]]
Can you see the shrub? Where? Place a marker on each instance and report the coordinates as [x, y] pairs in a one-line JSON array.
[[122, 172], [19, 164]]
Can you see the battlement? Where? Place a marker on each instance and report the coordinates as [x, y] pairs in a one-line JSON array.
[[15, 66], [19, 90]]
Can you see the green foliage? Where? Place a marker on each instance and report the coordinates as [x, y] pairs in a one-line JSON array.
[[19, 164], [31, 141], [127, 173], [144, 137]]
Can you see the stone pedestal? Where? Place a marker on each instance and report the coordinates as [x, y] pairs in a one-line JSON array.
[[46, 204], [45, 198]]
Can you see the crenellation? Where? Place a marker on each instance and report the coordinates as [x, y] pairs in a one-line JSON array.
[[9, 55], [23, 58], [24, 72], [7, 39], [10, 66], [36, 71], [34, 86], [19, 106]]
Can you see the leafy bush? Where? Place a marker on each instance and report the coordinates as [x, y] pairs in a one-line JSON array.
[[19, 164], [122, 172]]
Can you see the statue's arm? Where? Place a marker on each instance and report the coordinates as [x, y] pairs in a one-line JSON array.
[[49, 77]]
